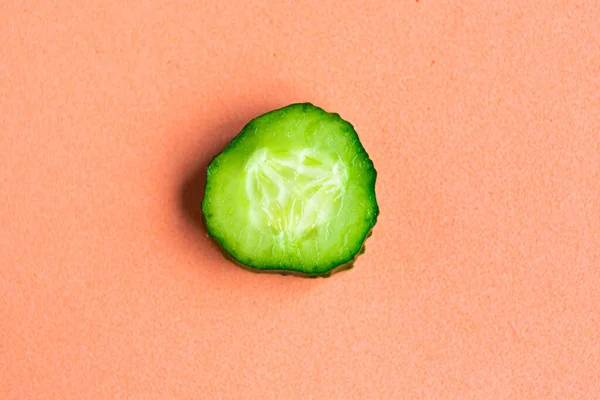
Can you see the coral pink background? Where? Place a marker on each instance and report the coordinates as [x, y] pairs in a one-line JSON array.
[[482, 277]]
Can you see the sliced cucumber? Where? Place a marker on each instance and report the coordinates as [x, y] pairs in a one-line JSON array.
[[294, 192]]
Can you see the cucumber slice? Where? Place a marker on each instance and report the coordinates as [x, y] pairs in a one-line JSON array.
[[294, 192]]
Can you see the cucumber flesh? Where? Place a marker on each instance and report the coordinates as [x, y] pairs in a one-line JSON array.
[[293, 192]]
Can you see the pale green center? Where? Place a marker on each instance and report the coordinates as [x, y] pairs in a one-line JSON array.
[[294, 193]]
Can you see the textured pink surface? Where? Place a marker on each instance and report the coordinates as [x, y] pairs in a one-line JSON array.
[[482, 277]]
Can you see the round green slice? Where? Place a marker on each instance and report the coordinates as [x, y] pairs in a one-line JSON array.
[[294, 192]]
